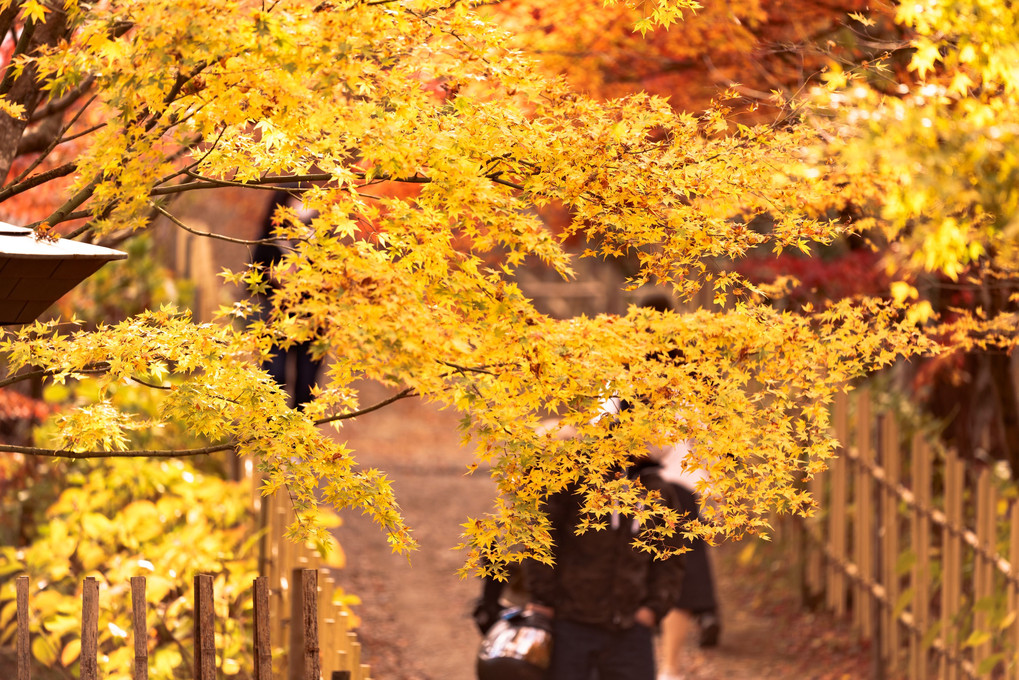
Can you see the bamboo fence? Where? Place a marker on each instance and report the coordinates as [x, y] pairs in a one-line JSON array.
[[281, 563], [917, 549]]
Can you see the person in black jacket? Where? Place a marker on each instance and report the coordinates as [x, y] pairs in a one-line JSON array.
[[604, 596], [295, 363]]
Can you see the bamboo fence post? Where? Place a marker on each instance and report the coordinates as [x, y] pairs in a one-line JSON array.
[[983, 576], [327, 632], [24, 649], [920, 535], [341, 642], [309, 586], [813, 539], [863, 543], [837, 515], [303, 660], [355, 655], [287, 593], [1012, 655], [205, 629], [140, 628], [952, 569], [89, 656], [279, 583], [891, 455], [295, 661], [263, 641]]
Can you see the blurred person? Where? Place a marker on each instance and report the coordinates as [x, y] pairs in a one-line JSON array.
[[605, 598], [294, 368]]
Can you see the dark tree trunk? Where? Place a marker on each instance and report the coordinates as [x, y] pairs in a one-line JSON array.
[[25, 90]]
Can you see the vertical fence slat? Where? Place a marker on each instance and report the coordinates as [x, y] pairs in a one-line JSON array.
[[286, 585], [341, 642], [863, 495], [812, 539], [983, 576], [891, 461], [295, 658], [89, 659], [263, 641], [205, 629], [1013, 591], [1012, 635], [309, 584], [837, 514], [140, 628], [920, 534], [329, 623], [952, 568], [354, 655], [24, 649]]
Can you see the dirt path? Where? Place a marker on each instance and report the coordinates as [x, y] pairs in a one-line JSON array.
[[416, 621]]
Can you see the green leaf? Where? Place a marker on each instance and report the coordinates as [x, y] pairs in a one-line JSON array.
[[44, 650], [977, 638]]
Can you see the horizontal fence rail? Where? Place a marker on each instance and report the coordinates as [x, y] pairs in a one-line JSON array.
[[917, 549]]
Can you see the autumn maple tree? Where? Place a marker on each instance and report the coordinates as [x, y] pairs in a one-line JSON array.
[[925, 138], [133, 103]]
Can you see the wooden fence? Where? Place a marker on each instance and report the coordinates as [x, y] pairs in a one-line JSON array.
[[281, 563], [918, 549], [304, 651], [299, 632]]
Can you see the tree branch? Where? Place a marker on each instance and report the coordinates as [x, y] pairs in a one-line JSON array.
[[178, 453], [64, 212], [58, 139], [409, 392], [7, 18], [37, 180], [269, 181], [10, 380], [27, 32], [138, 453]]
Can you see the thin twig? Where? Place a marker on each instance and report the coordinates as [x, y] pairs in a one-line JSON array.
[[209, 234], [152, 385], [468, 369]]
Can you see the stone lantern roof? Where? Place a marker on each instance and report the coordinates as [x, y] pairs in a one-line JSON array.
[[35, 272]]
